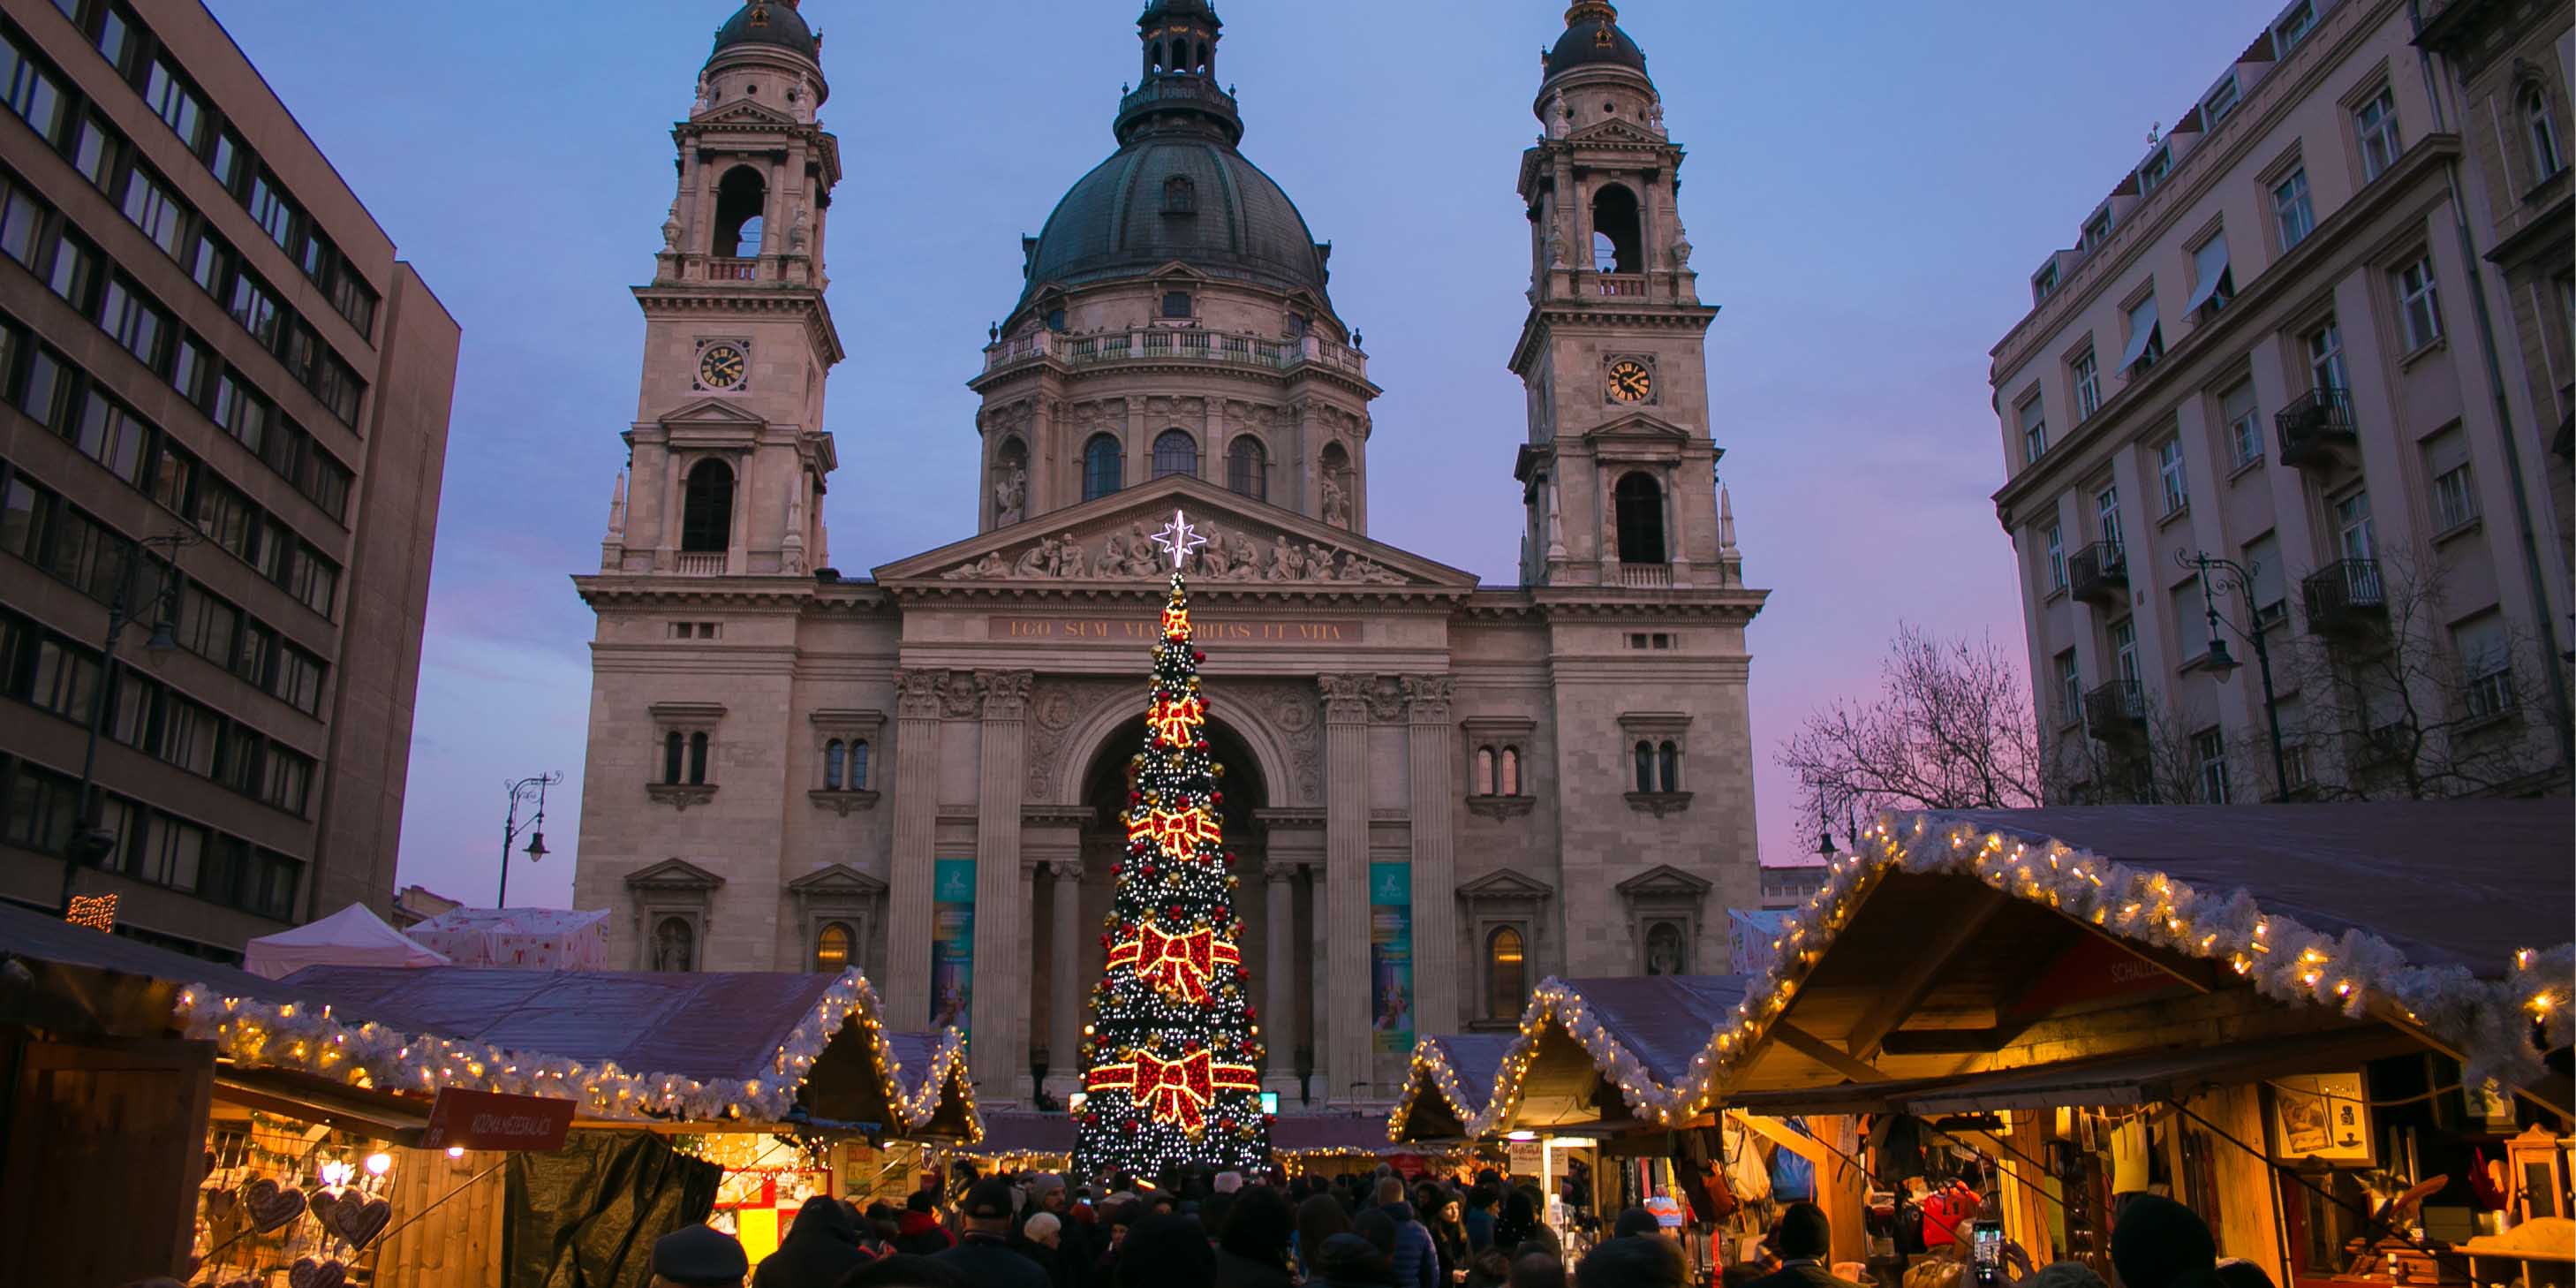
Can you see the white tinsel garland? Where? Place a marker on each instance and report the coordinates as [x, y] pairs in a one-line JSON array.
[[307, 1037], [2490, 1022]]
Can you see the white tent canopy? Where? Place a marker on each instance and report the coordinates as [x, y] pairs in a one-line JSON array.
[[532, 938], [352, 936]]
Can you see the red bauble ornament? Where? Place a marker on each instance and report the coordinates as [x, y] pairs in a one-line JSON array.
[[1216, 798], [1135, 798], [1197, 656]]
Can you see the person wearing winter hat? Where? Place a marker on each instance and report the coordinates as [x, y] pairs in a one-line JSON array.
[[985, 1256], [2159, 1243], [1804, 1239]]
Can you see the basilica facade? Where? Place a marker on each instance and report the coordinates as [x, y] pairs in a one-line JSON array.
[[1439, 792]]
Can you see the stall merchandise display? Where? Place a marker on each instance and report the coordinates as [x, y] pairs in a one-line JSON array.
[[279, 1193]]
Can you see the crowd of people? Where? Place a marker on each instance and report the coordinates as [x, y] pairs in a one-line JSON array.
[[1223, 1230]]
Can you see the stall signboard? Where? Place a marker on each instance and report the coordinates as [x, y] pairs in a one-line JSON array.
[[1391, 956], [491, 1120], [952, 943], [2323, 1117]]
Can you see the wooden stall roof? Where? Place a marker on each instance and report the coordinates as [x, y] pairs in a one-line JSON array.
[[1586, 1048], [1984, 942], [741, 1048], [1021, 1131], [1451, 1080], [81, 981]]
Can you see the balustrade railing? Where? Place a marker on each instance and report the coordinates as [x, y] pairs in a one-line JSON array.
[[1646, 576], [733, 270], [1170, 345], [700, 564]]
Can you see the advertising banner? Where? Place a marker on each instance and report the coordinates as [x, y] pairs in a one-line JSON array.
[[1391, 956], [952, 942]]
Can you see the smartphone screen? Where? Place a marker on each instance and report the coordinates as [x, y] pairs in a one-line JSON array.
[[1986, 1243]]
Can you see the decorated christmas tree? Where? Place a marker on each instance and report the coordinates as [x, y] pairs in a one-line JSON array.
[[1172, 1053]]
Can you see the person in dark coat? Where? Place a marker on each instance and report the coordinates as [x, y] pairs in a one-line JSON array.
[[1351, 1260], [918, 1231], [1447, 1222], [697, 1256], [2162, 1244], [1519, 1222], [1634, 1261], [985, 1256], [1417, 1259], [1479, 1217], [820, 1249], [903, 1270], [1252, 1249], [1804, 1239], [1319, 1218], [1167, 1251]]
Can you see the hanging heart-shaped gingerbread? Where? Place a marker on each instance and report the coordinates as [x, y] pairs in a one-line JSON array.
[[354, 1217], [272, 1206], [308, 1273], [221, 1205]]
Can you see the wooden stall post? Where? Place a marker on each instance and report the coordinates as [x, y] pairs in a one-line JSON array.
[[105, 1147], [2248, 1201], [1842, 1189], [449, 1212]]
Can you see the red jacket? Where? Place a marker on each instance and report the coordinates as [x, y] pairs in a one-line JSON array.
[[921, 1234], [1943, 1213]]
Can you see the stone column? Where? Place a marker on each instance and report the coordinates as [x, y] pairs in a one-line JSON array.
[[999, 1012], [1064, 986], [916, 819], [1345, 919], [1431, 740], [1279, 998]]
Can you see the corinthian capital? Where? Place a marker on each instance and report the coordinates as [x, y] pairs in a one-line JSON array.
[[1345, 698], [917, 694], [959, 696], [1006, 693], [1426, 697]]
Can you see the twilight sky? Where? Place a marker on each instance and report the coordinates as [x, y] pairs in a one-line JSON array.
[[1868, 190]]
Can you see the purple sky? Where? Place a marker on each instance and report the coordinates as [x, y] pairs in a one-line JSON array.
[[1867, 195]]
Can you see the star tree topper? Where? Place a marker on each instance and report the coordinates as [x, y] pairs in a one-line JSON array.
[[1179, 539]]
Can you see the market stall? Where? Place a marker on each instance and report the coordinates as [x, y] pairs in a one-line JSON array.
[[2323, 1029], [737, 1095], [529, 938], [352, 936]]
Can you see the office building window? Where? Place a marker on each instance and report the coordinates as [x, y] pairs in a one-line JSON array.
[[2325, 358], [2547, 157], [2486, 666], [2455, 502], [171, 100], [2209, 754], [2244, 423], [2034, 429], [151, 208], [2070, 691], [33, 95], [2293, 28], [2056, 556]]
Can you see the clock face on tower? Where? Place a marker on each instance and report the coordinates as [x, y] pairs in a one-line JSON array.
[[721, 366], [1630, 381]]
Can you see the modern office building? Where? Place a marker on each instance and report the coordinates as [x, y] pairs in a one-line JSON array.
[[224, 432], [2285, 340]]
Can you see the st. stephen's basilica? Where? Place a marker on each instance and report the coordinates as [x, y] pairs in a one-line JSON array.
[[1441, 791]]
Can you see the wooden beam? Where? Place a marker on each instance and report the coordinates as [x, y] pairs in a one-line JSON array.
[[1824, 1053], [2198, 974], [1909, 990]]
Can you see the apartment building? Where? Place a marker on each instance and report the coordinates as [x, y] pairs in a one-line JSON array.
[[2281, 342], [224, 429]]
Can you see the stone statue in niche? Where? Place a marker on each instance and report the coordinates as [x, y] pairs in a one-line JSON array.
[[1337, 501], [1555, 245], [1010, 496], [1557, 115], [796, 232], [671, 950], [1664, 949], [1681, 245]]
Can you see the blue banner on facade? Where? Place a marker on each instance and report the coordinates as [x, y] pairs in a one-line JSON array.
[[952, 942], [1391, 956]]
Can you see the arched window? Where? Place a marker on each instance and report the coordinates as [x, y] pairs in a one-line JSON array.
[[1104, 466], [859, 766], [1506, 974], [740, 197], [1202, 64], [1179, 198], [836, 756], [832, 948], [672, 764], [2547, 158], [1640, 502], [697, 759], [1645, 767], [1175, 452], [1618, 238], [1511, 771], [675, 945], [1485, 771], [1668, 765], [706, 508], [1247, 468]]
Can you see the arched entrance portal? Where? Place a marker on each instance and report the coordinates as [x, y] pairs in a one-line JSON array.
[[1104, 787]]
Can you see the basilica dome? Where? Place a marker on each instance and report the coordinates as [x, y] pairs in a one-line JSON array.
[[1593, 38], [1186, 196], [768, 22]]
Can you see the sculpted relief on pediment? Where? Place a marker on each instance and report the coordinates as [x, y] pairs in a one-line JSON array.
[[1127, 553]]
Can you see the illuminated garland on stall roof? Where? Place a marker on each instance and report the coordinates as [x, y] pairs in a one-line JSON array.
[[306, 1037], [1431, 1060], [2490, 1022]]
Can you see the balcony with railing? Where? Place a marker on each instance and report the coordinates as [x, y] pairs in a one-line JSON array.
[[2346, 598], [690, 563], [2117, 712], [1646, 576], [1167, 344], [2317, 429], [733, 270], [1621, 285], [2098, 573]]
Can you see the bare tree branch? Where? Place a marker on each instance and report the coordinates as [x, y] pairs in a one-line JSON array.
[[1950, 728]]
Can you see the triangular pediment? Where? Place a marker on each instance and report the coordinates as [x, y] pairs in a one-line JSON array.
[[1638, 425], [674, 874], [745, 111], [1663, 878], [1616, 130], [1282, 548], [708, 411], [1172, 268], [1505, 884], [836, 879]]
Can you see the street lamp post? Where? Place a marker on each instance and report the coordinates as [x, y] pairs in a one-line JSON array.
[[510, 826], [2240, 578], [92, 842]]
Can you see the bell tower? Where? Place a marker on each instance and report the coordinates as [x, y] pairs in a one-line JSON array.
[[1617, 474], [727, 456]]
